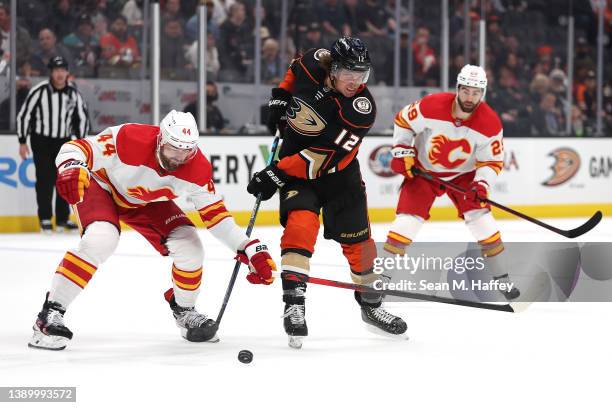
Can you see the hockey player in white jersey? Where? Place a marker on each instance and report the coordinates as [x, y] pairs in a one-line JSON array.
[[456, 137], [132, 173]]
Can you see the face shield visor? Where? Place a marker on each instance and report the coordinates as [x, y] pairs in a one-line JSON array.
[[353, 77]]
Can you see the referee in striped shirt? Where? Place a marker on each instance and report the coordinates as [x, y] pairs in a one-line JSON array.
[[52, 113]]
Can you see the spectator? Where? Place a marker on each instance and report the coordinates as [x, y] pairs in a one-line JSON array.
[[48, 48], [544, 63], [174, 63], [558, 86], [546, 119], [172, 10], [390, 11], [586, 96], [118, 47], [375, 34], [578, 122], [313, 37], [236, 45], [353, 17], [99, 17], [221, 11], [424, 58], [34, 15], [539, 86], [332, 16], [215, 122], [132, 11], [212, 57], [514, 107], [191, 28], [23, 40], [84, 47], [272, 70], [63, 18], [23, 83]]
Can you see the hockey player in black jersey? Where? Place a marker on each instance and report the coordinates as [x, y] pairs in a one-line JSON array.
[[323, 110]]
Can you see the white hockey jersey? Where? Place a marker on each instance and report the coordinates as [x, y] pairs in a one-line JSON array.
[[122, 159], [448, 147]]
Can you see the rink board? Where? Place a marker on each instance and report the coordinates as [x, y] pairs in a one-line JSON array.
[[545, 177]]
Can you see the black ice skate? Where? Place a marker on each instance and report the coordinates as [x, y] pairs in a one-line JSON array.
[[295, 318], [511, 294], [379, 318], [50, 332], [194, 326]]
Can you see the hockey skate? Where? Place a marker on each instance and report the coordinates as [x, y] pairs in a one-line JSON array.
[[511, 294], [295, 314], [50, 332], [295, 324], [195, 327], [380, 321]]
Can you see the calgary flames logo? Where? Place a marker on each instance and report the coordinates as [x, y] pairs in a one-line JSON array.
[[567, 163], [442, 148], [145, 194], [304, 119]]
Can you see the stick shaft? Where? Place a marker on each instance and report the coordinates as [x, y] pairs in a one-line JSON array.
[[249, 230]]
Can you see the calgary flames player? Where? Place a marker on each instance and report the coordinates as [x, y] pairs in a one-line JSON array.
[[456, 137], [328, 111], [132, 173]]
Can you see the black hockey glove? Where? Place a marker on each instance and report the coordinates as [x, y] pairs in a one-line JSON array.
[[267, 181], [278, 104]]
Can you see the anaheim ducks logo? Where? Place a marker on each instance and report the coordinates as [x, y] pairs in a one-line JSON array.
[[148, 195], [442, 148], [302, 118], [567, 163]]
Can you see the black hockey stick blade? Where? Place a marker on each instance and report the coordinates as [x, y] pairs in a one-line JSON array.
[[584, 228]]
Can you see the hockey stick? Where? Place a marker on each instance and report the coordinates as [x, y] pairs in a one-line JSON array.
[[573, 233], [298, 277], [249, 229]]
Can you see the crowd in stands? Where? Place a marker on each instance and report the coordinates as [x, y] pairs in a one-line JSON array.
[[526, 53]]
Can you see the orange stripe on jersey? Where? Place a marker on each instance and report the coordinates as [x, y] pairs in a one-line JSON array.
[[288, 82], [213, 214], [401, 122], [85, 149], [294, 166], [497, 166], [117, 197], [212, 207], [347, 121], [348, 159]]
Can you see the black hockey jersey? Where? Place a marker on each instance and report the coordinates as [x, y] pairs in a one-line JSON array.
[[324, 128]]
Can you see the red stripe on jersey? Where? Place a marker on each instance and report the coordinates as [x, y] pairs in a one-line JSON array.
[[308, 73]]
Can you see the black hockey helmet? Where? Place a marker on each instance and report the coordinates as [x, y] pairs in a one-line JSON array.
[[350, 53], [57, 62]]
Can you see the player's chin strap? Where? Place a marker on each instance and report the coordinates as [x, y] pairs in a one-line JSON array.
[[573, 233], [249, 229]]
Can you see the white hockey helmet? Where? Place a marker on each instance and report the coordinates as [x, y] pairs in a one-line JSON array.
[[474, 76], [179, 131]]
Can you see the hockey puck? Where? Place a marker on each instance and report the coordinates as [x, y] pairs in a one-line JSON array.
[[245, 356]]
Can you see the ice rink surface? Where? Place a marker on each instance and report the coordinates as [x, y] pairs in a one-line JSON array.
[[126, 350]]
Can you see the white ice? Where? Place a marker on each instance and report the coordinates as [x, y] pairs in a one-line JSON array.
[[126, 350]]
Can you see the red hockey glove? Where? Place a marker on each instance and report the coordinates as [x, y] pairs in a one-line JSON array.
[[478, 192], [261, 265], [72, 180], [403, 160]]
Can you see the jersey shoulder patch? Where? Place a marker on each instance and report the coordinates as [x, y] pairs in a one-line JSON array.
[[358, 111], [311, 65], [486, 121]]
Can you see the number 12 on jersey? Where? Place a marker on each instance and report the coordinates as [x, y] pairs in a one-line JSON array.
[[349, 143]]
